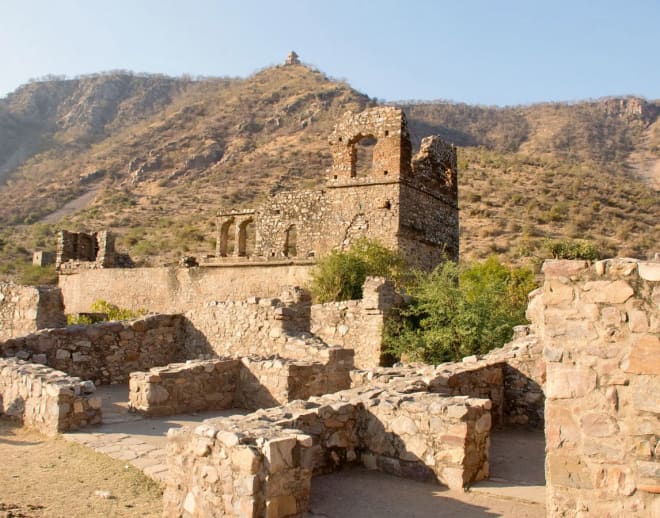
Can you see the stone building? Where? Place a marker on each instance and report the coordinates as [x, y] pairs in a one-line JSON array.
[[78, 250], [375, 189]]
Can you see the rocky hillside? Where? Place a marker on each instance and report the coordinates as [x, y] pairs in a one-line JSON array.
[[154, 158]]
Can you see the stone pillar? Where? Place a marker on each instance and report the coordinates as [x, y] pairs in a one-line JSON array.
[[600, 326]]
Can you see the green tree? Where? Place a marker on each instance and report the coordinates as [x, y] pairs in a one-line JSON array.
[[340, 275], [458, 311]]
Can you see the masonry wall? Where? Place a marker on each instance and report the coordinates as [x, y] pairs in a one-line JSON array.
[[176, 290], [357, 324], [511, 377], [177, 388], [262, 464], [46, 399], [601, 326], [25, 309], [246, 383], [104, 353]]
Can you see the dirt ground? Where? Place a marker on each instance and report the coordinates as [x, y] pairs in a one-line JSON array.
[[52, 477]]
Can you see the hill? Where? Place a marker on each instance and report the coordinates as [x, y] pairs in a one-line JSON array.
[[154, 158]]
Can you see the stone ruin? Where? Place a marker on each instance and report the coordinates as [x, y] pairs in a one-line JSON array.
[[408, 203], [587, 371], [78, 250]]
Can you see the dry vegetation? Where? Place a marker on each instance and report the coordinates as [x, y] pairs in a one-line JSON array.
[[154, 158], [54, 478]]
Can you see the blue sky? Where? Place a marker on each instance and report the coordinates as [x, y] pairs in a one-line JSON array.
[[476, 51]]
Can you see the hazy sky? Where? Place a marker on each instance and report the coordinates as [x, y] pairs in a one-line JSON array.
[[476, 51]]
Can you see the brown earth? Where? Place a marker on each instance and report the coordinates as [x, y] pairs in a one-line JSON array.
[[52, 477]]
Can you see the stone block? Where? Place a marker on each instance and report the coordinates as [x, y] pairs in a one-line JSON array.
[[564, 381], [553, 268], [565, 471], [279, 453], [281, 507], [649, 271], [638, 321], [644, 357], [646, 394], [610, 292], [598, 425], [556, 292]]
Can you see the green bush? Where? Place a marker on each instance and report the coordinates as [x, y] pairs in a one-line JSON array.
[[572, 249], [115, 312], [458, 311], [340, 275]]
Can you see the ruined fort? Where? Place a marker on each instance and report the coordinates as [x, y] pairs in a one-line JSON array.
[[238, 332]]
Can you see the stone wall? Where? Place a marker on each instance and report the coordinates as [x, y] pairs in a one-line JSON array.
[[262, 464], [104, 353], [247, 383], [357, 324], [193, 386], [176, 290], [512, 377], [25, 309], [600, 326], [282, 326], [46, 399]]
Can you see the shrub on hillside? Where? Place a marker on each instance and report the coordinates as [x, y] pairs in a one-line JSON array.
[[340, 275], [457, 311], [572, 249]]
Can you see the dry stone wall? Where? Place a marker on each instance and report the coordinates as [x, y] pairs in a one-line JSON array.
[[262, 464], [357, 324], [46, 399], [600, 326], [511, 377], [104, 353], [25, 309], [271, 326], [248, 383]]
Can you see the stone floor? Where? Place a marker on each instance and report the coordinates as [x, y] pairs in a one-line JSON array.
[[131, 437], [516, 487]]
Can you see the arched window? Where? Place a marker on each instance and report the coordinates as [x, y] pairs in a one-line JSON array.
[[362, 156], [290, 242], [227, 238], [246, 238]]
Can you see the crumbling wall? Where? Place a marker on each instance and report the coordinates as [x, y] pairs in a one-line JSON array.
[[104, 353], [43, 398], [269, 326], [246, 383], [176, 290], [511, 377], [600, 326], [194, 386], [357, 324], [25, 309], [76, 250], [262, 464]]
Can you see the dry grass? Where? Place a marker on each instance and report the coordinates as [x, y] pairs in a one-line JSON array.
[[51, 477]]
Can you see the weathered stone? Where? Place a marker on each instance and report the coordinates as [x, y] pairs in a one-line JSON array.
[[279, 453], [553, 268], [598, 425], [556, 292], [649, 271], [644, 357], [613, 292], [638, 321], [569, 381]]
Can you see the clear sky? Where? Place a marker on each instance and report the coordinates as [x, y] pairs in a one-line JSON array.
[[476, 51]]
